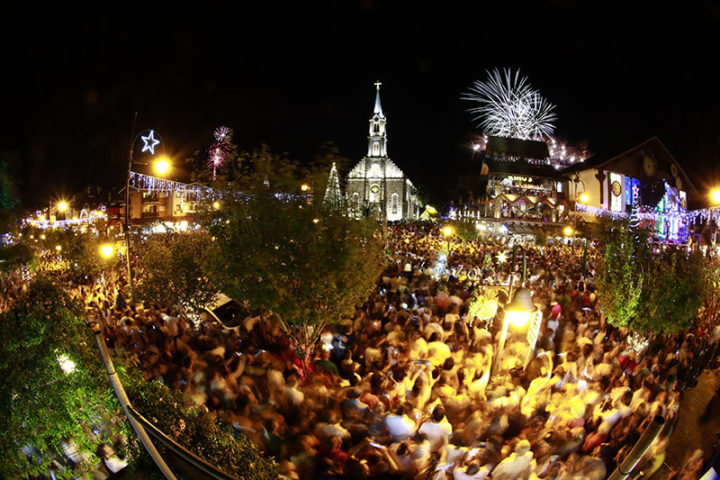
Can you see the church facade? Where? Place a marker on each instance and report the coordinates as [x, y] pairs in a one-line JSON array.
[[376, 187]]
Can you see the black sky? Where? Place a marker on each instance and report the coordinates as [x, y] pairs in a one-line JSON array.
[[298, 74]]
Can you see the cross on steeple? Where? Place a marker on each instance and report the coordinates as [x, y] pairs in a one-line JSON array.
[[377, 84]]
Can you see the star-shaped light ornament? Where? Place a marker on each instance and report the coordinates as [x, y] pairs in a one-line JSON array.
[[502, 257], [150, 142]]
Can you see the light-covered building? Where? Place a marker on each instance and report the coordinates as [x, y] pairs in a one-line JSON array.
[[647, 174], [376, 187]]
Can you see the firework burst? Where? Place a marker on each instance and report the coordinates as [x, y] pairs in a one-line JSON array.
[[509, 106], [219, 151], [222, 134]]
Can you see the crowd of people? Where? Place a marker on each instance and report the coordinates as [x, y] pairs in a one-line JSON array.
[[403, 386]]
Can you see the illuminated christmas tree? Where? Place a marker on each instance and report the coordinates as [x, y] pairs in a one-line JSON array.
[[333, 200]]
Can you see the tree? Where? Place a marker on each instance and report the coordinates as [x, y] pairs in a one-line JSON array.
[[81, 251], [54, 386], [644, 290], [674, 289], [174, 270], [8, 194], [620, 277], [275, 251]]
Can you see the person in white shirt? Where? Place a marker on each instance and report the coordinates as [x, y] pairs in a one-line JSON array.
[[438, 430], [400, 426], [517, 465]]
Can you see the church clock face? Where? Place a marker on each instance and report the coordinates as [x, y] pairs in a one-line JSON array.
[[616, 189]]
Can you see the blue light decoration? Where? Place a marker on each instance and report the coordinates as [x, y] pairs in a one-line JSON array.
[[150, 142], [628, 191]]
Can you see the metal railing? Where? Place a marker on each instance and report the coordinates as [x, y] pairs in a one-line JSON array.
[[145, 429]]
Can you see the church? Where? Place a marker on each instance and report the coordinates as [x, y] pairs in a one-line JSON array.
[[376, 187]]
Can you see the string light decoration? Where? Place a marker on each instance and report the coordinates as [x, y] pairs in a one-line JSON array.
[[220, 150], [156, 184], [508, 106]]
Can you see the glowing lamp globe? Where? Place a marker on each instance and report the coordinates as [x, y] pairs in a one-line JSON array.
[[567, 231], [715, 195], [162, 166], [447, 231], [304, 187], [584, 198], [58, 247], [520, 309], [67, 365], [62, 206], [186, 207], [107, 251], [216, 205]]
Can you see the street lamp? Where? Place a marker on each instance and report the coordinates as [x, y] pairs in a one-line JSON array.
[[304, 187], [216, 205], [715, 196], [568, 231], [107, 250], [584, 198], [518, 312], [62, 206], [162, 166]]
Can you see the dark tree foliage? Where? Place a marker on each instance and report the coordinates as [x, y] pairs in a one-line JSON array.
[[81, 251], [42, 403], [620, 277], [644, 288], [674, 288], [174, 270]]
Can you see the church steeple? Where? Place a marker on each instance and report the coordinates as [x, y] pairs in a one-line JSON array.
[[378, 108], [377, 141]]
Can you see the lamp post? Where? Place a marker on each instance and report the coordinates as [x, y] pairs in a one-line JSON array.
[[518, 311], [162, 166]]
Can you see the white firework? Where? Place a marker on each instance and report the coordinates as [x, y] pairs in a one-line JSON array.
[[508, 106]]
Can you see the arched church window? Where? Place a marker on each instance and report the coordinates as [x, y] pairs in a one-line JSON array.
[[394, 203], [377, 128], [376, 149]]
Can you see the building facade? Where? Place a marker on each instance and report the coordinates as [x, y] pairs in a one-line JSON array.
[[376, 187]]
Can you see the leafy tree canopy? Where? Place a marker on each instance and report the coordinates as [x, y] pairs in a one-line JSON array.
[[277, 251], [44, 403], [174, 270]]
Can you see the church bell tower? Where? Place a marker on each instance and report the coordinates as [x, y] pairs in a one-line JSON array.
[[377, 140]]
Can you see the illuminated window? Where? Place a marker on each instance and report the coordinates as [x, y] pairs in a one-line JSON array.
[[376, 149], [394, 203]]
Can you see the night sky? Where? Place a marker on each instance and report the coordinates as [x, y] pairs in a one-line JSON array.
[[296, 75]]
